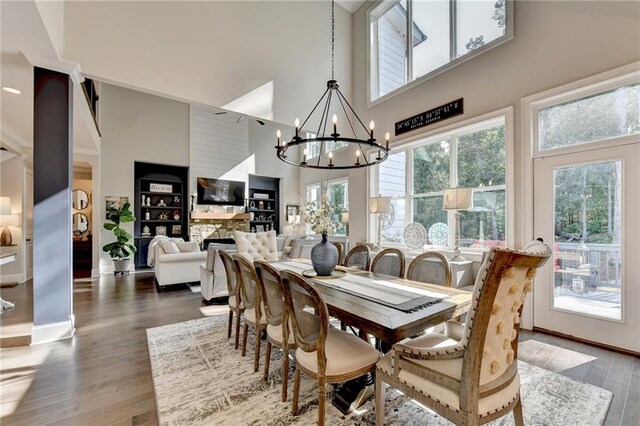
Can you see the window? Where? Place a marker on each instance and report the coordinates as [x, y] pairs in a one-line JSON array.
[[314, 148], [338, 195], [441, 32], [470, 157], [313, 193]]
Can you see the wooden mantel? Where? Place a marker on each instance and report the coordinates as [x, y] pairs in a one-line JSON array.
[[219, 216]]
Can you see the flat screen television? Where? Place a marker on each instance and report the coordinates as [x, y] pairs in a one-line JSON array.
[[220, 192]]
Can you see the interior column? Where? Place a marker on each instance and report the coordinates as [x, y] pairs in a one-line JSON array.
[[52, 176]]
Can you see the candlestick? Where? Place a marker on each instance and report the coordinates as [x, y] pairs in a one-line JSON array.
[[297, 124], [371, 126], [358, 157], [304, 156], [386, 136], [335, 124], [278, 135], [331, 159]]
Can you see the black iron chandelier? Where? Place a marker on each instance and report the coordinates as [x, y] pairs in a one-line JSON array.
[[322, 136]]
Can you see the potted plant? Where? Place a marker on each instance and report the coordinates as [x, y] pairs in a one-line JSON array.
[[121, 249], [324, 255]]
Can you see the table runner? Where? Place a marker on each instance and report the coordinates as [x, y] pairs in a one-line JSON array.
[[378, 290]]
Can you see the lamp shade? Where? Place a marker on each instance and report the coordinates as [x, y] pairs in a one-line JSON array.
[[345, 217], [380, 205], [5, 206], [457, 199]]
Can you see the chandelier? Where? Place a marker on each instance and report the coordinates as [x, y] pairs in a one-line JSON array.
[[333, 100]]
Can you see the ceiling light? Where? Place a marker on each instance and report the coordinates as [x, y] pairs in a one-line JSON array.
[[328, 133], [11, 90]]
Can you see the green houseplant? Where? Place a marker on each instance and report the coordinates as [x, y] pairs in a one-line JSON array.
[[121, 249]]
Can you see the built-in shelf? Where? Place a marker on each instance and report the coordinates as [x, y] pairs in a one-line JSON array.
[[261, 211], [261, 199], [161, 194], [270, 186], [161, 220], [162, 207]]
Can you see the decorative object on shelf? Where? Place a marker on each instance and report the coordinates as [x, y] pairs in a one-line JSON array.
[[261, 205], [114, 202], [268, 206], [161, 187], [438, 234], [77, 235], [147, 215], [260, 195], [148, 201], [144, 200], [252, 204], [210, 209], [177, 201], [259, 228], [163, 216], [193, 200], [161, 203], [146, 231], [7, 219], [176, 230], [230, 209], [176, 215], [380, 206], [324, 255], [415, 235], [80, 199], [323, 135], [457, 199], [161, 230], [121, 249]]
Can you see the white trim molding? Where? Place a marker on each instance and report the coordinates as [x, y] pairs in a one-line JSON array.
[[53, 332]]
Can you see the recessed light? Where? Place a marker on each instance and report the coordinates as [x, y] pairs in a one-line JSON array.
[[11, 90]]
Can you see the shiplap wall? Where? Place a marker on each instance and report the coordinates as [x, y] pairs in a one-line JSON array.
[[219, 146], [391, 55]]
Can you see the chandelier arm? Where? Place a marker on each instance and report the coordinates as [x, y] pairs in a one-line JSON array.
[[325, 115], [314, 108], [346, 114], [352, 110]]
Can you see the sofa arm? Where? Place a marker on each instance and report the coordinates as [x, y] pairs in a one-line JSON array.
[[182, 257]]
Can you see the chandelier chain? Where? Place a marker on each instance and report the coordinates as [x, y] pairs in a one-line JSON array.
[[333, 38]]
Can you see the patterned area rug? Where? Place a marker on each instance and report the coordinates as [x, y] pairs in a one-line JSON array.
[[200, 379]]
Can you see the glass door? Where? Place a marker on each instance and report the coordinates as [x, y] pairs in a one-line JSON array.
[[586, 207]]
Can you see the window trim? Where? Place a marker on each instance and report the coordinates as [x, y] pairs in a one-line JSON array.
[[372, 56]]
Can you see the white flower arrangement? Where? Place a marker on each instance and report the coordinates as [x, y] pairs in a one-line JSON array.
[[320, 217]]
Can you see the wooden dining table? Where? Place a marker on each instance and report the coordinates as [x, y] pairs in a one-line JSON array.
[[386, 323]]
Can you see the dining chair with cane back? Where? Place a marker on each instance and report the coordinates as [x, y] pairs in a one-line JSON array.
[[340, 248], [324, 353], [424, 269], [389, 261], [470, 375], [358, 257], [252, 300], [277, 316], [235, 298]]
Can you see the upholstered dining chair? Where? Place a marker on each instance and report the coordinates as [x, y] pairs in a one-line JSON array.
[[423, 268], [235, 298], [252, 300], [389, 261], [278, 324], [340, 248], [324, 353], [470, 375], [358, 257]]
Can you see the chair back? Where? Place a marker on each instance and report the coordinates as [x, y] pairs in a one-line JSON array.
[[424, 269], [309, 314], [257, 245], [492, 326], [248, 281], [389, 261], [232, 275], [358, 257], [340, 248], [272, 292]]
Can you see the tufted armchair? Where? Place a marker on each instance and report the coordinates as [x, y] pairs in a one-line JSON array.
[[257, 245], [470, 375]]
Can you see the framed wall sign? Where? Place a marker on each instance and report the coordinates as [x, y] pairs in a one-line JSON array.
[[161, 187], [434, 115]]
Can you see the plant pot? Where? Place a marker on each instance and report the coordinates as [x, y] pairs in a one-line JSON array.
[[121, 266], [324, 257]]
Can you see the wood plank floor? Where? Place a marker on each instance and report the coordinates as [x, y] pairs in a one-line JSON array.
[[102, 376]]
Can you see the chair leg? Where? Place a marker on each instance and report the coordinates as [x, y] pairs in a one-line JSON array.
[[267, 359], [380, 396], [322, 400], [285, 373], [244, 339], [256, 356], [296, 391], [230, 324], [238, 316], [517, 413]]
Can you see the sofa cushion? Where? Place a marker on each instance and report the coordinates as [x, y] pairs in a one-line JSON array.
[[257, 245], [187, 247]]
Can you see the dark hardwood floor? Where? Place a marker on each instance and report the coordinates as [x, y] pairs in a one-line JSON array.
[[103, 376]]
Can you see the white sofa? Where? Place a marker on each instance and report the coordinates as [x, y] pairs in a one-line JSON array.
[[177, 268], [213, 278]]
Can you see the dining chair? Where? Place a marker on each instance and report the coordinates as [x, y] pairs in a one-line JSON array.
[[358, 257], [252, 300], [340, 248], [389, 261], [470, 375], [278, 324], [235, 298], [424, 269], [324, 353]]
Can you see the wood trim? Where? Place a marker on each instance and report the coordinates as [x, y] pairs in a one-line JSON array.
[[585, 341]]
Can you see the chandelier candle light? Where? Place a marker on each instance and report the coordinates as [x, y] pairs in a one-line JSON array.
[[457, 199], [355, 126]]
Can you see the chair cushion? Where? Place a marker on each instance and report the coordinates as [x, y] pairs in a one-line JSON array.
[[275, 332], [257, 245], [250, 317], [233, 303], [449, 367], [446, 396], [345, 353]]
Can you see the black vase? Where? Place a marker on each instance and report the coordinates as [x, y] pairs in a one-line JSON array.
[[324, 257]]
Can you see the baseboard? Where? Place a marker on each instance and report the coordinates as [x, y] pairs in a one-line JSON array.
[[95, 273], [53, 332], [586, 341]]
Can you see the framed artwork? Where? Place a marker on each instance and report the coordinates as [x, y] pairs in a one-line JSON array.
[[259, 228], [161, 187], [292, 210], [176, 230], [161, 230], [114, 202]]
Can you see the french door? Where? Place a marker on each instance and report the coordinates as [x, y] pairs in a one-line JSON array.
[[587, 208]]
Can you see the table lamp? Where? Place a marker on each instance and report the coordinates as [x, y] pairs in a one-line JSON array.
[[380, 205], [7, 218], [345, 222], [457, 199]]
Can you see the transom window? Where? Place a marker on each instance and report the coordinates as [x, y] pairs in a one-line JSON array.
[[416, 39]]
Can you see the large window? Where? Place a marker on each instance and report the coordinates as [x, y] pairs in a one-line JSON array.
[[471, 157], [414, 39], [337, 192]]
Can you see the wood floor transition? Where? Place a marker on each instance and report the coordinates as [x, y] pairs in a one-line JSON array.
[[103, 376]]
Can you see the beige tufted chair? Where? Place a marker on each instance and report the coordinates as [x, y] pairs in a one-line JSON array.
[[257, 245], [470, 375]]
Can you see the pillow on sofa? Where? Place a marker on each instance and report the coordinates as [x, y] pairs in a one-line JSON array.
[[187, 247], [168, 246]]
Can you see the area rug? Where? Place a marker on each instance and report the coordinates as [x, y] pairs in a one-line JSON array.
[[200, 379]]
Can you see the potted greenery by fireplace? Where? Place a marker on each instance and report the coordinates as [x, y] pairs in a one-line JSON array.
[[121, 249]]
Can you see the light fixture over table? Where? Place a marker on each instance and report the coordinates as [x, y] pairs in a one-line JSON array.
[[333, 93]]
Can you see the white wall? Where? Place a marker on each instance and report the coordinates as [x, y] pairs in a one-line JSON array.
[[136, 127], [555, 43], [52, 15], [11, 185], [214, 52]]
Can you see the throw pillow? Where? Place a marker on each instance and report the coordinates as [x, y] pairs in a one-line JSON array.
[[169, 246], [187, 247]]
